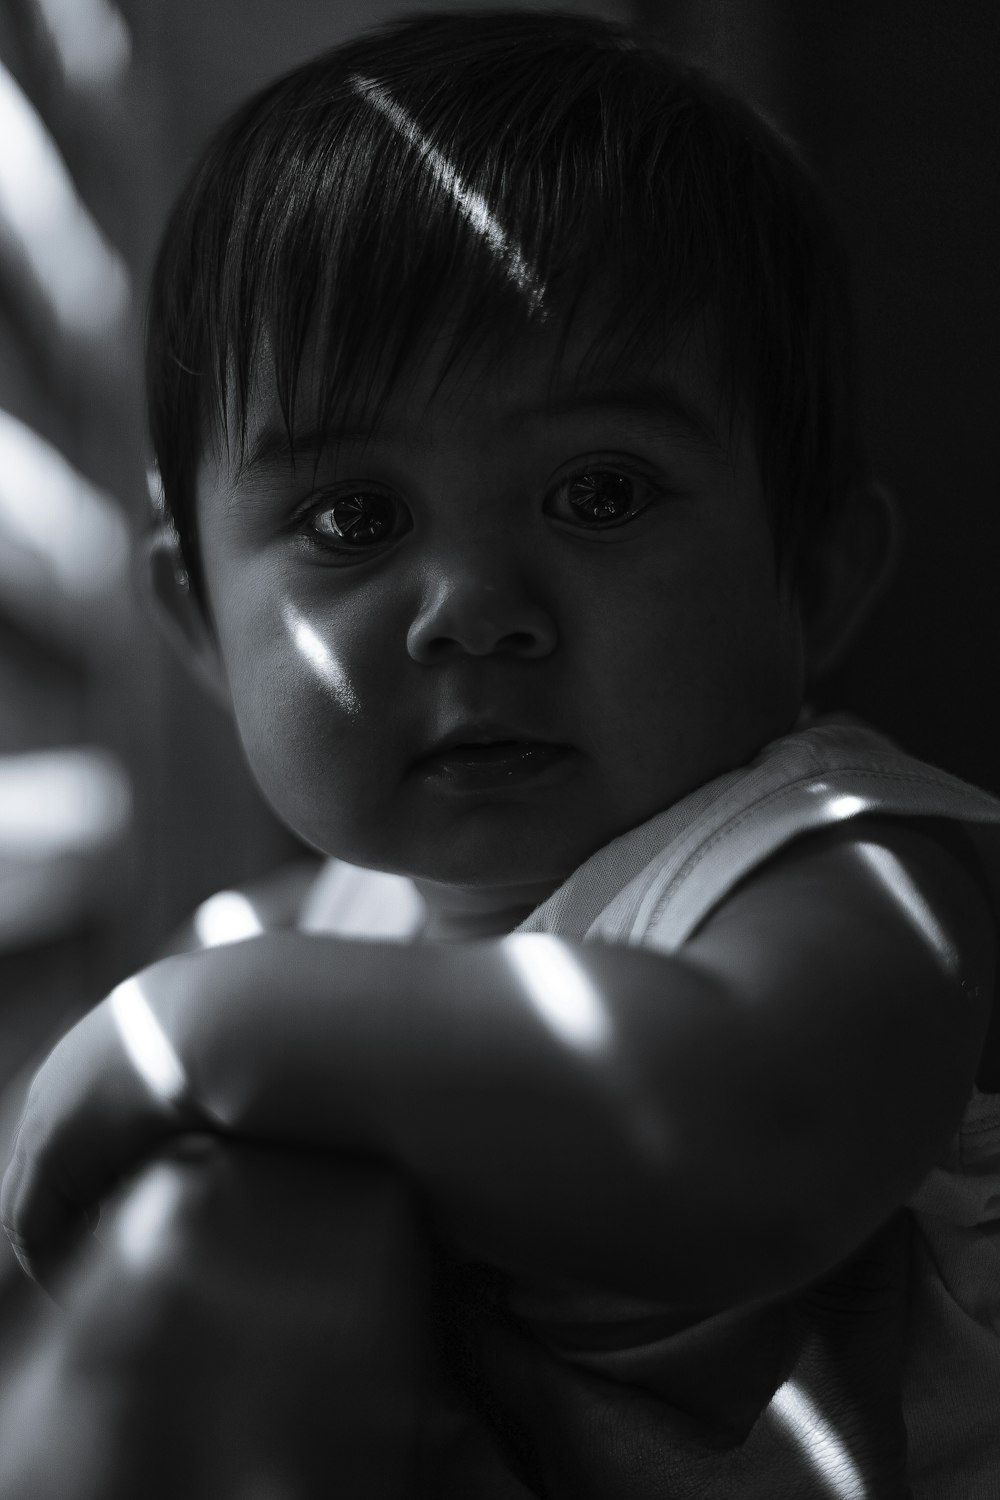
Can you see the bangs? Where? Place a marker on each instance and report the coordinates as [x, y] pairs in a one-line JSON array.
[[397, 232], [463, 182]]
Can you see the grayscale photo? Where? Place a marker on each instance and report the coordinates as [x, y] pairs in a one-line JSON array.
[[499, 775]]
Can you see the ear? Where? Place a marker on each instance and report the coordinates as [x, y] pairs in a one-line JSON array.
[[163, 585], [846, 576]]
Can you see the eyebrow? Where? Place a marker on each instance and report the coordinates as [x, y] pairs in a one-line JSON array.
[[663, 401]]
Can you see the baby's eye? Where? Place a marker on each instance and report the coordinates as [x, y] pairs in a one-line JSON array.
[[603, 495], [356, 520]]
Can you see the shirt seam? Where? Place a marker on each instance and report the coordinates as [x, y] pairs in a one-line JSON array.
[[733, 823]]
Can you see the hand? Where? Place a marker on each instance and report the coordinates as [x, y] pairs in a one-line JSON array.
[[111, 1092]]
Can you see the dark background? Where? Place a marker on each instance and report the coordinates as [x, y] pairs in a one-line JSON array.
[[898, 107]]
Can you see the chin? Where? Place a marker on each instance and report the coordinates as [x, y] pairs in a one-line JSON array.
[[503, 871]]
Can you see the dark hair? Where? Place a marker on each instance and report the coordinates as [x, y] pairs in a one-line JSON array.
[[496, 167]]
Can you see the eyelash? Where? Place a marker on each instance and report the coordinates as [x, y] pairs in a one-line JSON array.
[[618, 469]]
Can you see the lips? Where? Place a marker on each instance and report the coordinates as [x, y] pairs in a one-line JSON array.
[[483, 741], [502, 766], [476, 758], [491, 754]]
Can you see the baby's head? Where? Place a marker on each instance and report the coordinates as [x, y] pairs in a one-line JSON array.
[[500, 384]]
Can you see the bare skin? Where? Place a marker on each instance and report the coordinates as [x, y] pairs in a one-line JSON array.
[[493, 600], [656, 648]]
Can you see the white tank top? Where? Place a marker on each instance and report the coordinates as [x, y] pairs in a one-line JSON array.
[[654, 886]]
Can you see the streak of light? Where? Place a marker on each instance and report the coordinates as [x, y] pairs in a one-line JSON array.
[[824, 1450], [50, 510], [82, 276], [904, 892], [154, 488], [145, 1217], [322, 659], [473, 205], [896, 881], [67, 801], [847, 806], [226, 917], [560, 990], [149, 1049], [91, 39]]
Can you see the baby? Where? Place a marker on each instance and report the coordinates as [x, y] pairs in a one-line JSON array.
[[500, 383]]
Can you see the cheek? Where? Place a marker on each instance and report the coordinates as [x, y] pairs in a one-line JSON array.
[[326, 669], [694, 654], [743, 672], [746, 638], [297, 709]]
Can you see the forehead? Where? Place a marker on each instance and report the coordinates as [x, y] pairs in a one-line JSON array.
[[529, 376]]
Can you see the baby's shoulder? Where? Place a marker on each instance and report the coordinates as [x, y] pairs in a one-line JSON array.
[[974, 898], [932, 856], [873, 896]]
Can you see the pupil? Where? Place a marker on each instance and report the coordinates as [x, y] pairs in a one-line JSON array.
[[601, 496], [361, 518]]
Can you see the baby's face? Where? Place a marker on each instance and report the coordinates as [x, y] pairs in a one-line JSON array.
[[594, 571]]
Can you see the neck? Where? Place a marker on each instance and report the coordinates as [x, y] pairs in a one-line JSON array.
[[457, 914]]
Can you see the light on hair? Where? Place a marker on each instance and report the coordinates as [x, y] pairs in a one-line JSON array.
[[607, 182], [473, 205]]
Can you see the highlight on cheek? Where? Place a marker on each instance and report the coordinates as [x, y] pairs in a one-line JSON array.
[[322, 661]]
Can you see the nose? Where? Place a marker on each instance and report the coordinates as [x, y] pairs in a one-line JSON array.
[[469, 610]]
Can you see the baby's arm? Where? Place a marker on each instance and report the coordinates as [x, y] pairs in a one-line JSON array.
[[704, 1128]]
